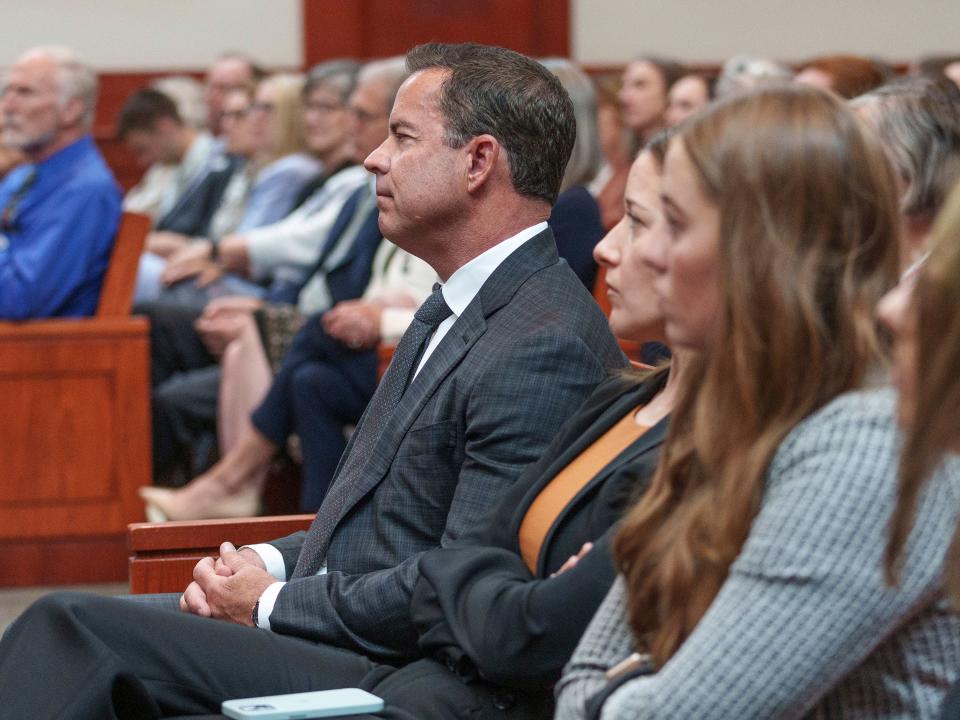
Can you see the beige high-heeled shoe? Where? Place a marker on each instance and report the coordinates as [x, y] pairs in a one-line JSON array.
[[199, 503]]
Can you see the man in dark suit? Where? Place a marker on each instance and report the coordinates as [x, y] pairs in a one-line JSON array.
[[495, 360]]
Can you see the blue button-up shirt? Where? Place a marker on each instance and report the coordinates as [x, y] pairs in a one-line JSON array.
[[55, 247]]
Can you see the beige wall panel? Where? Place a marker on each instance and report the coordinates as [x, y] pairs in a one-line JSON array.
[[612, 31], [155, 34]]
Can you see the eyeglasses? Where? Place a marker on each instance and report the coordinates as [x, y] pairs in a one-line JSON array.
[[365, 116], [322, 107], [263, 107], [236, 114]]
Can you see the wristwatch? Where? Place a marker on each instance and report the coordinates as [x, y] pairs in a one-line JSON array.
[[255, 616]]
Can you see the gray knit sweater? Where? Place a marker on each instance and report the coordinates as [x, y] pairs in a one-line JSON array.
[[804, 626]]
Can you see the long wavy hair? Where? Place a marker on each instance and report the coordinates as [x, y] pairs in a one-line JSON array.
[[808, 238], [933, 431]]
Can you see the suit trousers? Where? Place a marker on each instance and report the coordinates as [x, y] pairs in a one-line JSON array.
[[185, 379], [321, 388], [73, 656]]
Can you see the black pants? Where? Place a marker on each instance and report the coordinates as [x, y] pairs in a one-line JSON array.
[[72, 656], [185, 379], [321, 387]]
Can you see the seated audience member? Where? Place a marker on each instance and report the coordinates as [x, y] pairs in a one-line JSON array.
[[617, 147], [285, 250], [846, 75], [151, 126], [320, 401], [210, 207], [442, 439], [745, 72], [752, 582], [575, 219], [187, 341], [921, 314], [191, 212], [687, 96], [284, 162], [643, 95], [187, 94], [230, 71], [269, 187], [918, 122], [59, 213]]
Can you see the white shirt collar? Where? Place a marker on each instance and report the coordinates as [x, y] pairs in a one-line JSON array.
[[461, 287]]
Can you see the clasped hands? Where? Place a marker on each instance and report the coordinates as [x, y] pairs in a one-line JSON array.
[[227, 588], [194, 260], [355, 323]]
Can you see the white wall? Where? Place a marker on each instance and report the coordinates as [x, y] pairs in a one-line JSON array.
[[188, 34], [612, 31], [155, 34]]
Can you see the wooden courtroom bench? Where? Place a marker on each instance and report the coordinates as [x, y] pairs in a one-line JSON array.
[[75, 432], [162, 555]]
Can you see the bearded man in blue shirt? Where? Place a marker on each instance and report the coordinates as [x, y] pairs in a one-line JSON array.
[[59, 212]]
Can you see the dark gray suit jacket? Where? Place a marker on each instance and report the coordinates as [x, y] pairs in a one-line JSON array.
[[515, 365]]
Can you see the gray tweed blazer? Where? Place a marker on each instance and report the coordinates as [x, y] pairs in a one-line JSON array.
[[516, 364], [805, 626]]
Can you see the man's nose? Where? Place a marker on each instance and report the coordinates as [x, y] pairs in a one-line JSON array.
[[376, 161]]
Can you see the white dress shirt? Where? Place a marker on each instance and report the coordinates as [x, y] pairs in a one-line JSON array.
[[458, 292]]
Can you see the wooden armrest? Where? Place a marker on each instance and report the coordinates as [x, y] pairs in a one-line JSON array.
[[72, 328], [162, 555]]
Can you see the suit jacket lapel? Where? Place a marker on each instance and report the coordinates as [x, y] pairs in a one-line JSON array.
[[538, 252]]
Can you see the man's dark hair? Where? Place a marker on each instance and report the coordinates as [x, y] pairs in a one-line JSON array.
[[143, 109], [499, 92]]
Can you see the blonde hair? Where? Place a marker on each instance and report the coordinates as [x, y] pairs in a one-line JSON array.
[[808, 237], [933, 431], [289, 137]]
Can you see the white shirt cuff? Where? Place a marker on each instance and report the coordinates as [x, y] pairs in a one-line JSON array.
[[271, 558], [267, 601]]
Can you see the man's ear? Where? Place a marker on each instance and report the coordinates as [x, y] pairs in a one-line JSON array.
[[483, 154]]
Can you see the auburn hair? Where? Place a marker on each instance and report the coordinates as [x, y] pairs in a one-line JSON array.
[[933, 430], [808, 245]]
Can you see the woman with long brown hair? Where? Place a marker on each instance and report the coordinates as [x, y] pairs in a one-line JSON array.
[[921, 313], [751, 580]]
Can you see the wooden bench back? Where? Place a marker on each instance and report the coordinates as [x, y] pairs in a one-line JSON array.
[[116, 297]]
